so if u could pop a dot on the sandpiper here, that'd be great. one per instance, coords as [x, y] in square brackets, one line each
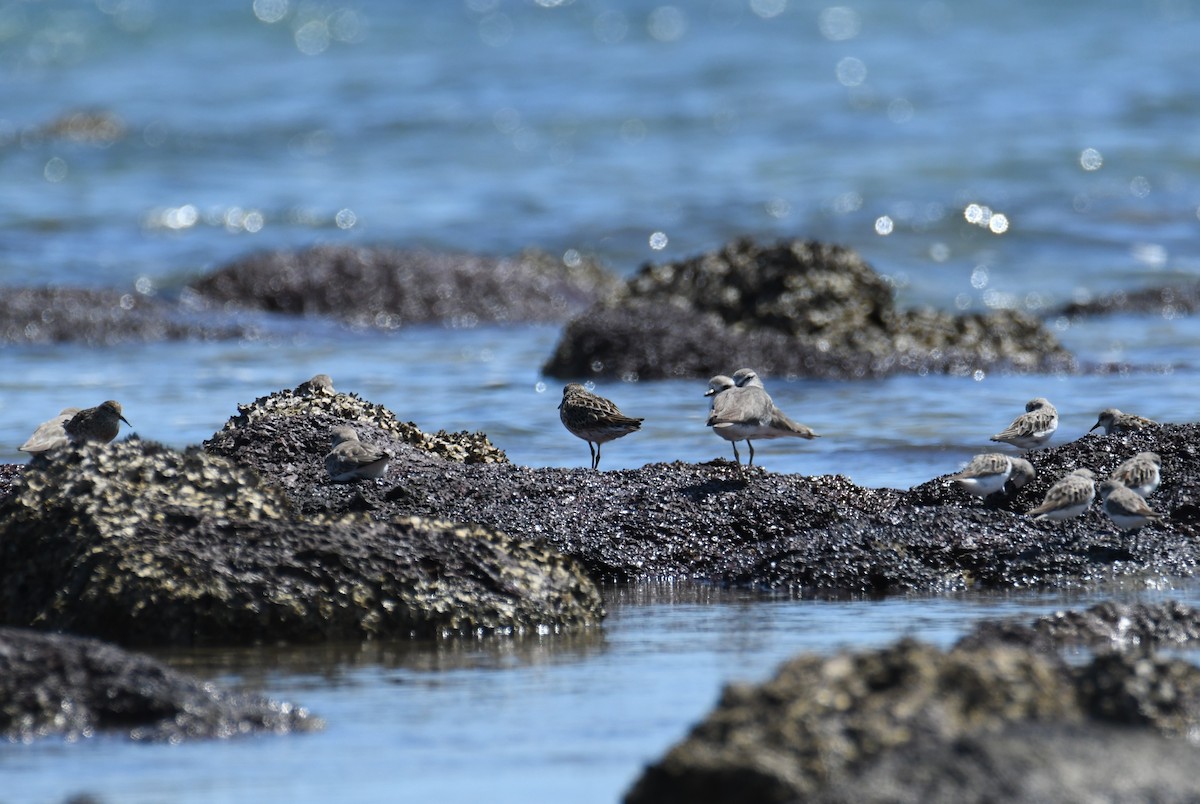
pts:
[350, 459]
[985, 474]
[1114, 421]
[1140, 474]
[593, 418]
[1022, 473]
[1069, 497]
[1032, 428]
[747, 412]
[1125, 507]
[49, 434]
[101, 423]
[319, 384]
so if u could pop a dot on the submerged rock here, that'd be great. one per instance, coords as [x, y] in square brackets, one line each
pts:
[910, 722]
[101, 317]
[389, 288]
[1168, 301]
[63, 686]
[142, 544]
[792, 308]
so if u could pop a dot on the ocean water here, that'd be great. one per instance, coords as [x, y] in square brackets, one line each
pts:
[980, 155]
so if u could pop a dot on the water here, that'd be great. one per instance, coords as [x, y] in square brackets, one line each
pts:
[979, 155]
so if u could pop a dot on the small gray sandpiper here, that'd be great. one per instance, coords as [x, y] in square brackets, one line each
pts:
[1069, 497]
[350, 459]
[1032, 428]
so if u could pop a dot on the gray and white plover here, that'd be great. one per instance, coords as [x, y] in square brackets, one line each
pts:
[349, 459]
[746, 412]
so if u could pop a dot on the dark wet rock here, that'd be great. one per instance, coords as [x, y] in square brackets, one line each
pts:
[790, 308]
[100, 317]
[815, 535]
[910, 722]
[91, 126]
[1103, 628]
[141, 544]
[1168, 301]
[71, 687]
[389, 288]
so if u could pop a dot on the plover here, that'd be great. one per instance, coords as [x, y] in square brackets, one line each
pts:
[1032, 428]
[1069, 497]
[717, 385]
[1140, 474]
[49, 434]
[350, 459]
[1125, 507]
[747, 412]
[101, 423]
[593, 418]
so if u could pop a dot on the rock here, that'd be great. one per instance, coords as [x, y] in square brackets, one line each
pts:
[910, 722]
[389, 288]
[814, 535]
[101, 317]
[1103, 628]
[792, 308]
[1168, 301]
[287, 406]
[140, 544]
[70, 687]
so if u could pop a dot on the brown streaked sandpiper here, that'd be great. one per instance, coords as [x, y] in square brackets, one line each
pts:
[101, 423]
[594, 419]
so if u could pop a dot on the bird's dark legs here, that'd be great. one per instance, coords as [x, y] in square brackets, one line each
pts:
[750, 444]
[595, 453]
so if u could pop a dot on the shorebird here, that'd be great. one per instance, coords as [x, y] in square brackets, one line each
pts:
[1032, 428]
[319, 384]
[101, 423]
[717, 385]
[1022, 473]
[985, 475]
[49, 434]
[350, 459]
[747, 412]
[1114, 421]
[1140, 474]
[1069, 497]
[593, 418]
[1125, 507]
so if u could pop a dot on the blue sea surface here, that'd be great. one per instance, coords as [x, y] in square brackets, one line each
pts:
[981, 156]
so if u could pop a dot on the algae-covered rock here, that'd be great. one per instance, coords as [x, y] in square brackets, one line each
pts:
[388, 288]
[71, 687]
[142, 544]
[790, 308]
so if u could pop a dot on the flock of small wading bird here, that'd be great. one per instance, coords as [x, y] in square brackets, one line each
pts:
[741, 410]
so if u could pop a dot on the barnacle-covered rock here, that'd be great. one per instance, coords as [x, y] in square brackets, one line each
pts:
[72, 687]
[912, 723]
[142, 544]
[796, 307]
[462, 447]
